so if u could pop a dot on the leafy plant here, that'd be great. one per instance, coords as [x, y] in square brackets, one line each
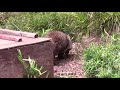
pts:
[103, 60]
[76, 24]
[44, 32]
[31, 68]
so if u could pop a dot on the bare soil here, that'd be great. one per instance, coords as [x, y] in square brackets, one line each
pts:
[71, 67]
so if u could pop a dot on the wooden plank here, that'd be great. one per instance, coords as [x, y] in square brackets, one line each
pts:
[10, 38]
[25, 41]
[18, 33]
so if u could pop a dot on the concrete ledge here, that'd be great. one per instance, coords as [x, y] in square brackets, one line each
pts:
[40, 49]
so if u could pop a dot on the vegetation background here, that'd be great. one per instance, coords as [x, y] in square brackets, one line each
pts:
[101, 60]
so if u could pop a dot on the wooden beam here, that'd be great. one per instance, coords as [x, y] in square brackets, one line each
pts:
[18, 33]
[10, 38]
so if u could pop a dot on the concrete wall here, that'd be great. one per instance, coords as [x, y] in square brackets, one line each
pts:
[42, 52]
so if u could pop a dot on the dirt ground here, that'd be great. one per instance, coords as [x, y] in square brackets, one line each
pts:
[72, 67]
[69, 68]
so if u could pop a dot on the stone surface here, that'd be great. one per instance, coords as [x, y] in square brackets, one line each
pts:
[40, 49]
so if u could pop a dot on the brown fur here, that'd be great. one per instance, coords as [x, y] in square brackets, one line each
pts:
[62, 43]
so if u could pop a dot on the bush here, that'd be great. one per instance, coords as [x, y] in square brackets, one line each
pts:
[103, 61]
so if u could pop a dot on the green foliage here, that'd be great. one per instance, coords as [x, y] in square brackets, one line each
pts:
[100, 61]
[103, 61]
[76, 24]
[31, 68]
[68, 22]
[4, 16]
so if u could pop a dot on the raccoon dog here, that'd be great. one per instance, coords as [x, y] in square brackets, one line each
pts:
[62, 43]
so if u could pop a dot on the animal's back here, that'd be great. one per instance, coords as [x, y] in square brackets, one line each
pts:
[61, 41]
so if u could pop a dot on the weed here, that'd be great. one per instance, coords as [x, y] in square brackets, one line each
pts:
[31, 68]
[103, 60]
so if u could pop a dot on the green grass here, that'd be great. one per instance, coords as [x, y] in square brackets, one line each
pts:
[75, 24]
[103, 61]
